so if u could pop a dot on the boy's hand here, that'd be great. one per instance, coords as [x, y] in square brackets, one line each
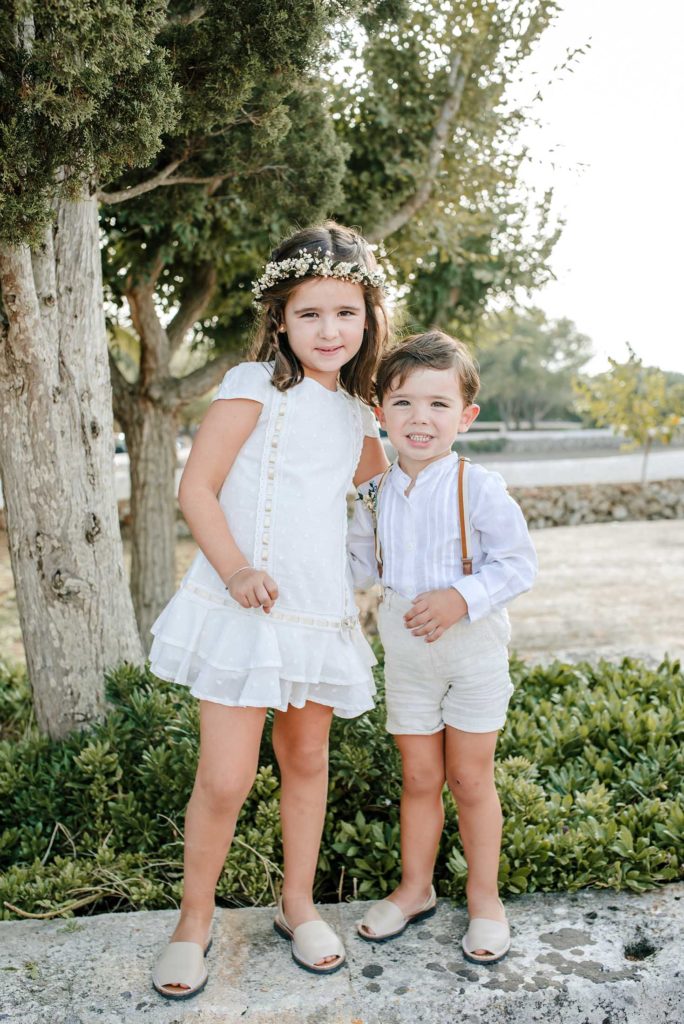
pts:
[253, 589]
[433, 612]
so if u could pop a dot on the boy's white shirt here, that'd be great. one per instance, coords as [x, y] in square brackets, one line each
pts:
[419, 537]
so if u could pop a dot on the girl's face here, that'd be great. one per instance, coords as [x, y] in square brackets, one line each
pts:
[325, 319]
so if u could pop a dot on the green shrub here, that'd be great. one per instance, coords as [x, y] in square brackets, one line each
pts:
[589, 773]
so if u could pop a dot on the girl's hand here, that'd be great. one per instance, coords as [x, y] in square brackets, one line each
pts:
[433, 612]
[253, 589]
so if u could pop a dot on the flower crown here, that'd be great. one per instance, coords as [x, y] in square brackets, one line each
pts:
[314, 264]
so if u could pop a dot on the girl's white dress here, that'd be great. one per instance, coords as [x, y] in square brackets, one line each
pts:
[285, 502]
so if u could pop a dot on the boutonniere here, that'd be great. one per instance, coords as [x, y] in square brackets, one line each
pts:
[370, 500]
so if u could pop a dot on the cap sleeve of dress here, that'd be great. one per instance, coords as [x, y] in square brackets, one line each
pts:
[369, 421]
[247, 380]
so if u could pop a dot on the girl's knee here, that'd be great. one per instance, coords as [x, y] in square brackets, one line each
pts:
[304, 761]
[225, 793]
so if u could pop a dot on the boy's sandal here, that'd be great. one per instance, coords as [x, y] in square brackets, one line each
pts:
[385, 920]
[483, 933]
[181, 964]
[311, 942]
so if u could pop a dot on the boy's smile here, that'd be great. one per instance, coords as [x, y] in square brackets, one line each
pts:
[424, 415]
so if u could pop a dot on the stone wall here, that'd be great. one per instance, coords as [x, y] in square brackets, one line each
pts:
[571, 504]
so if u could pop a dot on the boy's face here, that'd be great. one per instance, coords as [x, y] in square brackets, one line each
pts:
[424, 415]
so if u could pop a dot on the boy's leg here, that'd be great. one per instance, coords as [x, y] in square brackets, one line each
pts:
[470, 776]
[300, 742]
[229, 753]
[422, 818]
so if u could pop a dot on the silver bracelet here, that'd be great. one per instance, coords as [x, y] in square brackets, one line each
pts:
[243, 569]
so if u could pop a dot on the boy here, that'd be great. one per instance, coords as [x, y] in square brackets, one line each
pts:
[444, 628]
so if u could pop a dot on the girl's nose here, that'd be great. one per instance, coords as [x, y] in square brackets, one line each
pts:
[327, 327]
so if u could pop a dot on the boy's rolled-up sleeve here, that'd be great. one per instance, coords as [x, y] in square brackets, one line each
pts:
[509, 565]
[361, 544]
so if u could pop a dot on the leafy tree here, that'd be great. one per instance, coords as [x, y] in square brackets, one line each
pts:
[528, 364]
[88, 93]
[413, 148]
[636, 401]
[435, 152]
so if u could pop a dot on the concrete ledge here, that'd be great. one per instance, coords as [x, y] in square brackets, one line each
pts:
[595, 957]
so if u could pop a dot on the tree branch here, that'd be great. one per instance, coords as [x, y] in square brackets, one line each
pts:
[193, 305]
[122, 393]
[155, 351]
[194, 14]
[141, 187]
[450, 108]
[183, 389]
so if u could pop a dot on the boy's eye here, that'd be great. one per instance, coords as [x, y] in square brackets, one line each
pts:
[400, 401]
[442, 405]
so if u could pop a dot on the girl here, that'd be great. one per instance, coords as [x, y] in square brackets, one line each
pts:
[265, 616]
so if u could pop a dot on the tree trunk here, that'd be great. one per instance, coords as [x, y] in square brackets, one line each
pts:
[151, 439]
[56, 445]
[148, 412]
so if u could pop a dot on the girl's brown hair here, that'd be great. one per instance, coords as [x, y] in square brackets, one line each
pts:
[347, 246]
[433, 350]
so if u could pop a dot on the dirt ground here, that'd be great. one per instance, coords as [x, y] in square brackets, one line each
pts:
[603, 590]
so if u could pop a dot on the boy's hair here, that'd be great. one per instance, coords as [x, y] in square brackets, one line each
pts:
[432, 350]
[345, 245]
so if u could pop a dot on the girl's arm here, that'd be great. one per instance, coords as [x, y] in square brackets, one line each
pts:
[223, 431]
[373, 460]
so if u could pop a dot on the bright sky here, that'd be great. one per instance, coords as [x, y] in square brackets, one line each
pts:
[616, 127]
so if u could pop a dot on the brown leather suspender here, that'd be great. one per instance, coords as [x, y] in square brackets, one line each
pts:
[464, 517]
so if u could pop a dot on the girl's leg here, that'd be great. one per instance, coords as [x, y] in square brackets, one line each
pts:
[300, 742]
[422, 817]
[470, 776]
[229, 753]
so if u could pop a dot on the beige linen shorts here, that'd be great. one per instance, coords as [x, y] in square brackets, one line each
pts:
[461, 680]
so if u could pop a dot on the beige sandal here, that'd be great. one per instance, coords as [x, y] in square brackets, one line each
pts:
[181, 963]
[387, 920]
[311, 942]
[483, 933]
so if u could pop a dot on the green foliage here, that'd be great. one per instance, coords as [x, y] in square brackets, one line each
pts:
[637, 401]
[589, 773]
[478, 234]
[527, 364]
[85, 91]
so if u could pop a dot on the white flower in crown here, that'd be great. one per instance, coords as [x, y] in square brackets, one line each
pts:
[314, 264]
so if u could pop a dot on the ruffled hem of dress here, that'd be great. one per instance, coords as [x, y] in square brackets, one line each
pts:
[241, 658]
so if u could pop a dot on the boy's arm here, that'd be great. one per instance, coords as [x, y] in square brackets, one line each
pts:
[510, 559]
[361, 543]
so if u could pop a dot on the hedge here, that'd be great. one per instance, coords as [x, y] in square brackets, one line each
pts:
[589, 771]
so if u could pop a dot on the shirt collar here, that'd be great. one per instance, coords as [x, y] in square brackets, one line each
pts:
[432, 472]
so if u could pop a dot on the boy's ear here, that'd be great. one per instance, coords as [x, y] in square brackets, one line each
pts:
[468, 417]
[380, 415]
